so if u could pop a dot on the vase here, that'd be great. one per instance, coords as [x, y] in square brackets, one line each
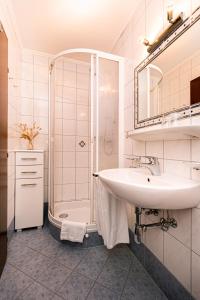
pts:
[30, 145]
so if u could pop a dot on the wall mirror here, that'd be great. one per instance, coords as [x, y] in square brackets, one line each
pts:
[168, 80]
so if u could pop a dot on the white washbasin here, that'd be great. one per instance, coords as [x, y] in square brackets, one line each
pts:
[141, 189]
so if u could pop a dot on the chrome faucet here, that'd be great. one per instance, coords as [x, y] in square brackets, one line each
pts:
[152, 164]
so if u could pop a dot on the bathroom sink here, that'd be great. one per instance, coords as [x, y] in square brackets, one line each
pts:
[143, 190]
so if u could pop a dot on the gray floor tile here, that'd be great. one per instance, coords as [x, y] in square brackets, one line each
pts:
[140, 286]
[100, 252]
[19, 254]
[7, 272]
[36, 292]
[50, 263]
[53, 276]
[13, 285]
[45, 244]
[69, 256]
[76, 287]
[35, 265]
[121, 258]
[26, 236]
[93, 263]
[113, 277]
[99, 292]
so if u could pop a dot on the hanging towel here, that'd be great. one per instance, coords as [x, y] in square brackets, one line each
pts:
[111, 217]
[72, 231]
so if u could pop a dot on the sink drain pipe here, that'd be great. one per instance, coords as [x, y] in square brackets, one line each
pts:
[164, 224]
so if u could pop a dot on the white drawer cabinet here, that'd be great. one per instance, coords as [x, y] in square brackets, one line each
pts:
[29, 189]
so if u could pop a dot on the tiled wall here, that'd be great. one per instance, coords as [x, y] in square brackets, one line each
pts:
[178, 249]
[34, 99]
[72, 125]
[14, 56]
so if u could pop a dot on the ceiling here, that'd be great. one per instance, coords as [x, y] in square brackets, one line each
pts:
[55, 25]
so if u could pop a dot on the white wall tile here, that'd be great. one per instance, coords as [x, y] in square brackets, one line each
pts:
[27, 71]
[83, 81]
[68, 192]
[175, 167]
[27, 89]
[58, 125]
[58, 162]
[196, 230]
[58, 110]
[82, 175]
[69, 111]
[82, 191]
[27, 56]
[58, 175]
[177, 260]
[40, 108]
[154, 241]
[154, 149]
[69, 159]
[182, 150]
[41, 90]
[128, 150]
[82, 96]
[59, 76]
[82, 128]
[82, 68]
[184, 230]
[69, 78]
[27, 106]
[59, 91]
[69, 143]
[58, 192]
[41, 60]
[68, 65]
[69, 94]
[58, 143]
[195, 276]
[69, 175]
[82, 160]
[82, 113]
[128, 101]
[41, 73]
[69, 127]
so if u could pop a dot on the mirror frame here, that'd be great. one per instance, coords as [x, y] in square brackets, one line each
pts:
[184, 112]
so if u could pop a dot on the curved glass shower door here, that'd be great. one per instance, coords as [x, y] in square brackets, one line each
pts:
[84, 130]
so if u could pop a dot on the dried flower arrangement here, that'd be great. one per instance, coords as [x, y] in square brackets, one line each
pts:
[29, 133]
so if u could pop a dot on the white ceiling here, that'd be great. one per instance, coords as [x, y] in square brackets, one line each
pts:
[55, 25]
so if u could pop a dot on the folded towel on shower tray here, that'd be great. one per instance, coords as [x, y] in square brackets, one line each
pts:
[72, 231]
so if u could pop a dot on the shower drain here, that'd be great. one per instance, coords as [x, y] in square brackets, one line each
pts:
[63, 216]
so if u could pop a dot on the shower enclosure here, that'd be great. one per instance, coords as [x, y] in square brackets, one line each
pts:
[85, 122]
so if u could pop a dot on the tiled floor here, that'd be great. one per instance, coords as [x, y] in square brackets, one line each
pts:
[39, 267]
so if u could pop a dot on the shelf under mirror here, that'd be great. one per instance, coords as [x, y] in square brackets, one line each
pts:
[165, 133]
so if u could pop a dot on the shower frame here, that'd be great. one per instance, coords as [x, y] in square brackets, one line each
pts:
[95, 55]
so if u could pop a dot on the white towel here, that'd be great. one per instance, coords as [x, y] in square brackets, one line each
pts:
[111, 217]
[72, 231]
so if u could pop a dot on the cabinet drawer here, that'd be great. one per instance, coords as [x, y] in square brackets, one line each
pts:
[28, 203]
[33, 171]
[29, 158]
